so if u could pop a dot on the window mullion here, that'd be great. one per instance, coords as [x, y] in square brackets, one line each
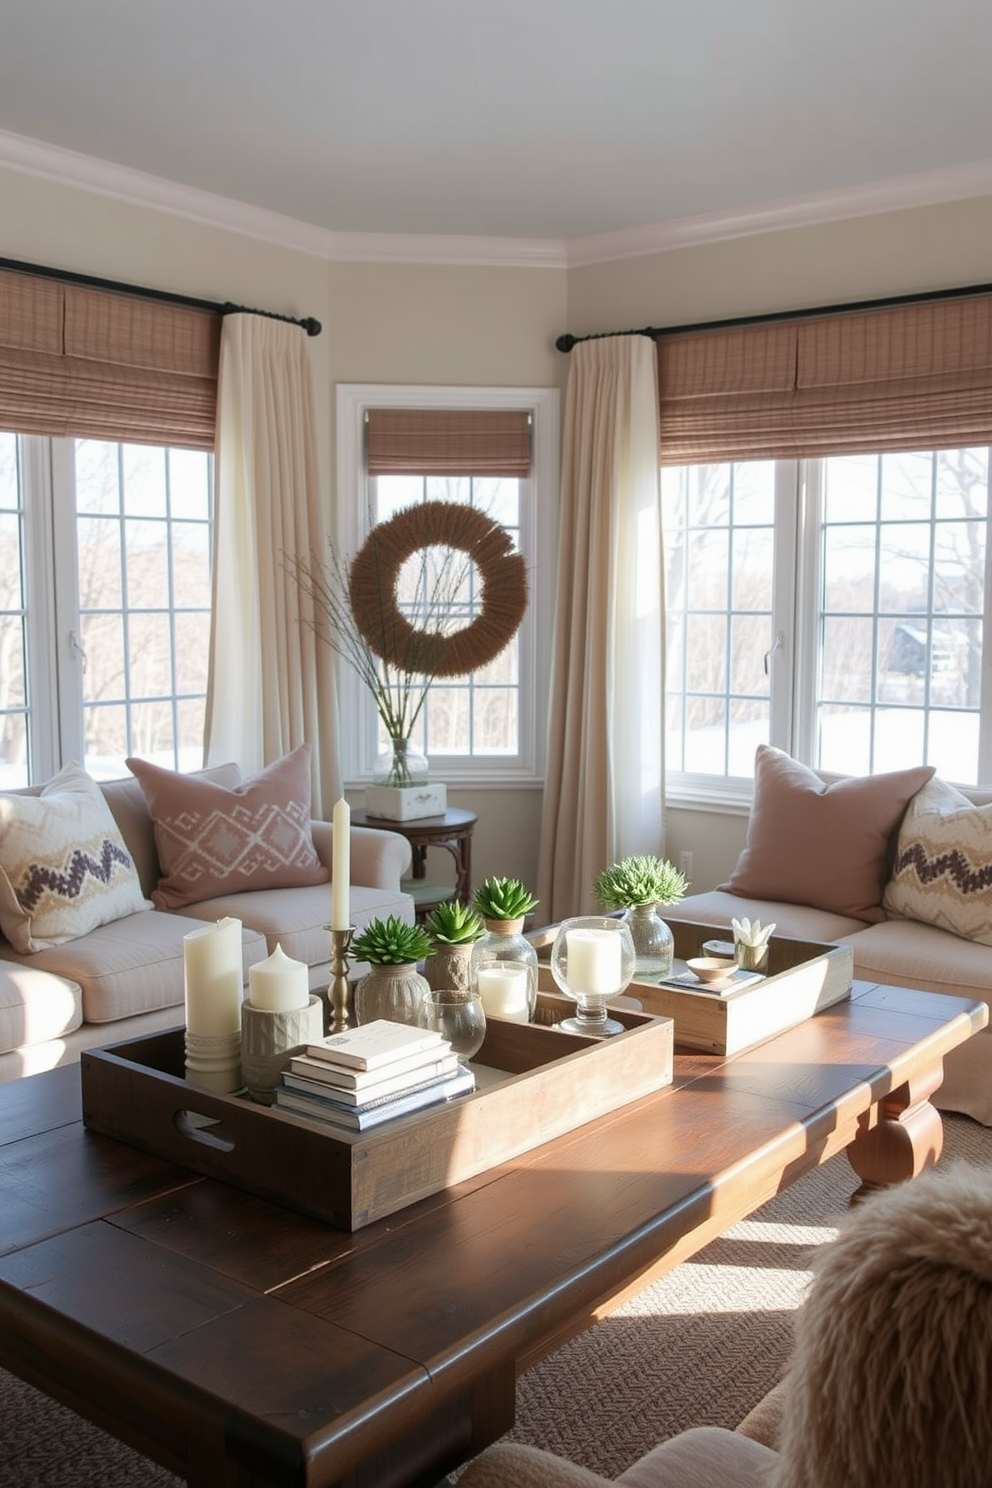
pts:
[70, 657]
[806, 549]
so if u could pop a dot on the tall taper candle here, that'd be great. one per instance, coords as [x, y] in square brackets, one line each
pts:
[341, 866]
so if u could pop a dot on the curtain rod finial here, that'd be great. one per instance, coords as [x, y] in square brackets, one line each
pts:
[565, 342]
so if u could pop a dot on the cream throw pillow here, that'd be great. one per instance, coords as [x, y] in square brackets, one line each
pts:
[942, 873]
[64, 868]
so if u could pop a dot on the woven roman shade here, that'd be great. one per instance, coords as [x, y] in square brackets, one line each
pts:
[95, 364]
[913, 376]
[447, 441]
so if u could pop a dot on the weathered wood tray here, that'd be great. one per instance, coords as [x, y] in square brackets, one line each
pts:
[539, 1083]
[803, 978]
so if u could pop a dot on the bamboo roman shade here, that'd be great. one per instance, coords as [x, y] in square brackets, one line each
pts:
[913, 376]
[95, 364]
[447, 441]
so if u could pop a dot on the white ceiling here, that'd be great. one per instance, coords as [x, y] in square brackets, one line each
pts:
[525, 119]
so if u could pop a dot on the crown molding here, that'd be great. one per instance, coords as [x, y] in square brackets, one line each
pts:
[871, 199]
[85, 173]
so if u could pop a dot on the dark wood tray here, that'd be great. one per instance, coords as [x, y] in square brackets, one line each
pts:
[549, 1083]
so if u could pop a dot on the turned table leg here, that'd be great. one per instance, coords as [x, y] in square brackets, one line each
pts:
[900, 1136]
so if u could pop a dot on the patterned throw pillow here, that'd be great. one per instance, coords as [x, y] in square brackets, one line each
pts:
[214, 839]
[64, 868]
[942, 873]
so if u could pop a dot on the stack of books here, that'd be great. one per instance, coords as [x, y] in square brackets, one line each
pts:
[367, 1075]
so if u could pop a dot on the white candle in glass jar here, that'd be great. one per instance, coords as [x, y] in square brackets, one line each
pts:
[214, 979]
[504, 991]
[279, 984]
[594, 962]
[341, 866]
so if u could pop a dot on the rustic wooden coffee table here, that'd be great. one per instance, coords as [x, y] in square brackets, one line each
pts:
[238, 1343]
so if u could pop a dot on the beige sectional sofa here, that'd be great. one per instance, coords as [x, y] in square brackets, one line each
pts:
[125, 978]
[898, 867]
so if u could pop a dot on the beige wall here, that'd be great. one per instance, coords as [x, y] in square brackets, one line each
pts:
[496, 326]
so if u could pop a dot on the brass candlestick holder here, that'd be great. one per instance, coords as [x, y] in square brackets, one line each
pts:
[339, 987]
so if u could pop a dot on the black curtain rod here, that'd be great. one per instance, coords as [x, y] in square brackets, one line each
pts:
[566, 342]
[89, 281]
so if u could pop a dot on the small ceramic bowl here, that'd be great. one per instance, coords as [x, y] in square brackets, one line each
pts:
[710, 968]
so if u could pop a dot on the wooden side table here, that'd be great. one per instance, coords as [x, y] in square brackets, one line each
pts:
[452, 832]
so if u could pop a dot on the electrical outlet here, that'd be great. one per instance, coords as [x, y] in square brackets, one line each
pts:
[685, 865]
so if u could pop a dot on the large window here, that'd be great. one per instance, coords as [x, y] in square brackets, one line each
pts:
[484, 726]
[105, 553]
[833, 607]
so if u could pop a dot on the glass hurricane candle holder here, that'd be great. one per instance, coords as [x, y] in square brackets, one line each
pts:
[592, 960]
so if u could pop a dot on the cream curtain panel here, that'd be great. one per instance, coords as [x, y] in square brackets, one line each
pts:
[604, 791]
[271, 683]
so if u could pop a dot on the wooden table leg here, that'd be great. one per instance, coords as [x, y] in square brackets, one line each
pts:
[900, 1136]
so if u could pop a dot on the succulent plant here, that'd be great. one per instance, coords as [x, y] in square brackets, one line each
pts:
[641, 879]
[454, 923]
[503, 899]
[391, 942]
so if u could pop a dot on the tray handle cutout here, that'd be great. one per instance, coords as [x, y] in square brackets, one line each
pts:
[196, 1127]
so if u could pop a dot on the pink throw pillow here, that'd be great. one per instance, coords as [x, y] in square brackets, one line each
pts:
[214, 839]
[827, 846]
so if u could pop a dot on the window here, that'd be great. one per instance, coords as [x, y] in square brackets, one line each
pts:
[833, 607]
[105, 552]
[483, 727]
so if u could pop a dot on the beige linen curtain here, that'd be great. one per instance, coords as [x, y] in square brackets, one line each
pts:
[270, 687]
[604, 795]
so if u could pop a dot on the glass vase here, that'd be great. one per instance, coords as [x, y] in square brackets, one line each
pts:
[654, 943]
[392, 992]
[400, 763]
[504, 964]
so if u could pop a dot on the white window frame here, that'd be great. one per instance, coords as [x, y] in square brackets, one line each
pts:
[538, 539]
[793, 660]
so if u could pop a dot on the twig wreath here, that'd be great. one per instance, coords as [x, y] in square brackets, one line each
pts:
[374, 576]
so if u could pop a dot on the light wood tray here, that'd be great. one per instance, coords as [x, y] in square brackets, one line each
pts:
[537, 1083]
[803, 978]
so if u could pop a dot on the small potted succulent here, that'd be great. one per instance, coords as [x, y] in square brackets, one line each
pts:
[503, 961]
[505, 901]
[393, 987]
[454, 928]
[638, 885]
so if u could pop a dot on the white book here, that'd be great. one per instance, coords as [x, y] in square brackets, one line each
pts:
[372, 1045]
[411, 1079]
[328, 1116]
[355, 1079]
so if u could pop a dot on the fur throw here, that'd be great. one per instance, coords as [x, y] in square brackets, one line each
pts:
[891, 1378]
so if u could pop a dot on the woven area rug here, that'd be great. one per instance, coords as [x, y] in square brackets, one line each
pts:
[699, 1347]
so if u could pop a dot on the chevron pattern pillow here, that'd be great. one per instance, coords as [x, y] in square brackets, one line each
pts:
[214, 839]
[64, 868]
[942, 873]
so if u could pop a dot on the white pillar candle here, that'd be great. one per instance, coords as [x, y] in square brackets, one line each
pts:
[214, 973]
[341, 866]
[503, 990]
[279, 984]
[594, 962]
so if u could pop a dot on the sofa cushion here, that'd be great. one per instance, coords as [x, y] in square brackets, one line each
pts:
[131, 966]
[825, 845]
[942, 873]
[905, 953]
[298, 919]
[795, 921]
[36, 1006]
[213, 840]
[64, 868]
